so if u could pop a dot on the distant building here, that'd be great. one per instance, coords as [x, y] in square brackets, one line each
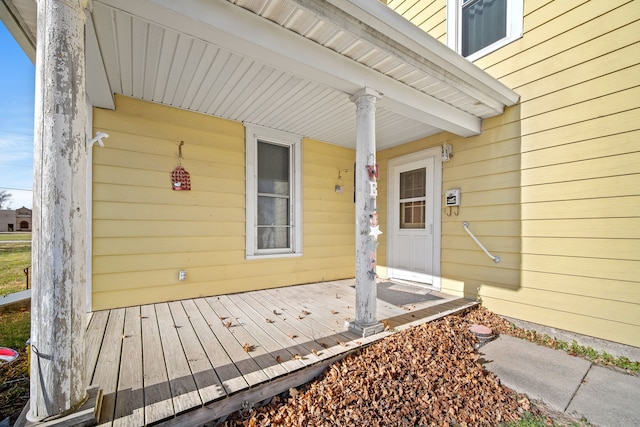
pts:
[15, 220]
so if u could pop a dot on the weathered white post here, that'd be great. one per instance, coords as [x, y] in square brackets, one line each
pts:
[58, 314]
[367, 229]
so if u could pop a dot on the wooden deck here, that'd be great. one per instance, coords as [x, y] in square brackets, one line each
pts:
[185, 362]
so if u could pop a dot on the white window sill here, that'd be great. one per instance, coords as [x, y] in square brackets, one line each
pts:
[268, 256]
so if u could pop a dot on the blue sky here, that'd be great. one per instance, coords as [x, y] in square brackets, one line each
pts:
[17, 79]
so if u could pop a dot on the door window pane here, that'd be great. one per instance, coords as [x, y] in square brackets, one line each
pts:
[412, 184]
[412, 214]
[413, 198]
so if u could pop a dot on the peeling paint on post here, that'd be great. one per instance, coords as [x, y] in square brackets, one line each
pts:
[366, 231]
[59, 206]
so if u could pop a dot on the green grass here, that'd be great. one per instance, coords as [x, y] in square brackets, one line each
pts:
[575, 349]
[4, 237]
[14, 325]
[14, 376]
[14, 329]
[528, 420]
[14, 258]
[531, 420]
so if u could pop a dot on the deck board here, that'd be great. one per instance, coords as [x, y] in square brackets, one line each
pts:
[269, 334]
[285, 325]
[296, 340]
[157, 392]
[177, 364]
[207, 382]
[184, 390]
[241, 330]
[108, 365]
[320, 329]
[129, 405]
[228, 373]
[328, 312]
[248, 367]
[95, 338]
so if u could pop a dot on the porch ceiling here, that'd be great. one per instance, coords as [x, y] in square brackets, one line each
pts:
[284, 64]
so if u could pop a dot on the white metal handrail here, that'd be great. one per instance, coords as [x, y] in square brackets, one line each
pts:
[495, 258]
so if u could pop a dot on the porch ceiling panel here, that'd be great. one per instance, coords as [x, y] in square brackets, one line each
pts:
[159, 64]
[313, 25]
[290, 65]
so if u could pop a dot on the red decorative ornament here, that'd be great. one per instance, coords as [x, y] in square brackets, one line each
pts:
[180, 179]
[7, 355]
[373, 172]
[373, 219]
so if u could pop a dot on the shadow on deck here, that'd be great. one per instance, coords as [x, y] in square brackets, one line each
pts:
[186, 363]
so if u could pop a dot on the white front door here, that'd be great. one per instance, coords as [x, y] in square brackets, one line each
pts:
[414, 217]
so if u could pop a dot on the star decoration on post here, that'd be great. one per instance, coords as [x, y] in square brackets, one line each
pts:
[375, 232]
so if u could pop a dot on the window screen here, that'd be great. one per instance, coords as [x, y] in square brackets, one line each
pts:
[274, 190]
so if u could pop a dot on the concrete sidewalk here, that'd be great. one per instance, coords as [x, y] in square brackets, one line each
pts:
[604, 396]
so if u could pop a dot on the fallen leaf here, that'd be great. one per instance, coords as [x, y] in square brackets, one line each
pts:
[268, 320]
[423, 375]
[248, 347]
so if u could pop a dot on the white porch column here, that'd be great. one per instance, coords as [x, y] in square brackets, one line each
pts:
[367, 229]
[58, 314]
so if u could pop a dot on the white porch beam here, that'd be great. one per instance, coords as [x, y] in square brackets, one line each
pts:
[16, 26]
[367, 228]
[239, 30]
[383, 28]
[98, 88]
[58, 316]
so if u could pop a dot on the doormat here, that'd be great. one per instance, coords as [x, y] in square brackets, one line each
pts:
[399, 294]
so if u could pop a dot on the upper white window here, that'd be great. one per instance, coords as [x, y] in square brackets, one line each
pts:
[274, 190]
[478, 27]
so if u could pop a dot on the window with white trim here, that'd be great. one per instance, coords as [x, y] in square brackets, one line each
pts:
[273, 193]
[478, 27]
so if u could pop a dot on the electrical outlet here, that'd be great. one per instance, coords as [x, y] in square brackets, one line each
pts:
[182, 275]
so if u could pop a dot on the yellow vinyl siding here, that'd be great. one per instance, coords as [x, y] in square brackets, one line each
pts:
[430, 16]
[144, 232]
[559, 317]
[553, 185]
